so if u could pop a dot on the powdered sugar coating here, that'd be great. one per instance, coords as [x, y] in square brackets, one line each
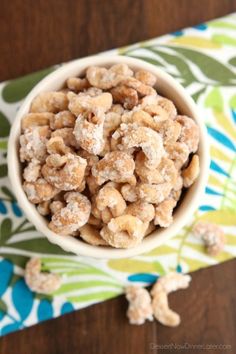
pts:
[110, 197]
[89, 135]
[44, 283]
[140, 308]
[32, 171]
[70, 218]
[146, 138]
[189, 132]
[36, 119]
[166, 284]
[212, 236]
[33, 143]
[116, 166]
[39, 191]
[67, 177]
[191, 172]
[107, 78]
[143, 210]
[163, 213]
[49, 102]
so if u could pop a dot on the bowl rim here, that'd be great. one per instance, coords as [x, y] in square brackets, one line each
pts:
[69, 243]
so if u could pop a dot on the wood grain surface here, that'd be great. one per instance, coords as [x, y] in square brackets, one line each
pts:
[37, 34]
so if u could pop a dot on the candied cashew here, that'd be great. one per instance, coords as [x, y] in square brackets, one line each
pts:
[164, 172]
[146, 174]
[56, 145]
[90, 158]
[143, 210]
[145, 77]
[212, 236]
[166, 284]
[67, 176]
[84, 103]
[73, 216]
[92, 236]
[178, 153]
[39, 191]
[89, 134]
[130, 193]
[153, 193]
[92, 184]
[145, 138]
[111, 198]
[125, 231]
[116, 166]
[127, 96]
[49, 102]
[94, 221]
[170, 131]
[64, 119]
[171, 282]
[191, 173]
[120, 239]
[138, 86]
[44, 283]
[77, 84]
[111, 123]
[141, 118]
[67, 135]
[177, 189]
[129, 223]
[104, 215]
[140, 307]
[168, 106]
[33, 143]
[117, 108]
[32, 171]
[189, 132]
[107, 78]
[36, 119]
[148, 100]
[44, 208]
[56, 205]
[163, 213]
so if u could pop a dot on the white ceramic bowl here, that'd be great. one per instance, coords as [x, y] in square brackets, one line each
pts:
[168, 87]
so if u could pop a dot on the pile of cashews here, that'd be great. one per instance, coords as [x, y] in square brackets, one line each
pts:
[106, 158]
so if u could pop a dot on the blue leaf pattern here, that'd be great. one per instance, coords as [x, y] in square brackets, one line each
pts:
[6, 270]
[66, 308]
[3, 209]
[206, 208]
[22, 299]
[222, 138]
[179, 268]
[212, 192]
[11, 328]
[201, 27]
[215, 167]
[16, 209]
[143, 277]
[45, 310]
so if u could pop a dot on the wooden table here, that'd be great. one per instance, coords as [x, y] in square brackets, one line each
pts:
[37, 34]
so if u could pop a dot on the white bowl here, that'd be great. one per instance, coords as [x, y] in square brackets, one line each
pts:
[168, 87]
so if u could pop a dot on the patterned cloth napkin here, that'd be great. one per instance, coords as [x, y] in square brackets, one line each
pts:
[203, 60]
